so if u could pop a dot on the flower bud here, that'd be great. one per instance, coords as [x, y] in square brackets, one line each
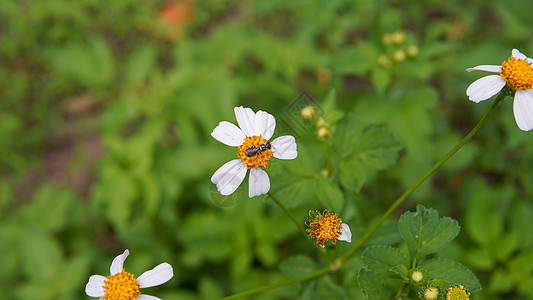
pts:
[417, 276]
[307, 112]
[412, 51]
[384, 61]
[398, 37]
[323, 132]
[399, 55]
[431, 293]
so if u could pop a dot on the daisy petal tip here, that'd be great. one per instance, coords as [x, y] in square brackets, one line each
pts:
[346, 234]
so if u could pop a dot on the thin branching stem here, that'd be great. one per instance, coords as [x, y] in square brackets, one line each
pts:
[338, 263]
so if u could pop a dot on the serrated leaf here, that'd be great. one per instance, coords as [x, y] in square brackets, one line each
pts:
[377, 148]
[298, 266]
[401, 270]
[382, 259]
[372, 285]
[352, 175]
[329, 194]
[424, 233]
[446, 272]
[347, 136]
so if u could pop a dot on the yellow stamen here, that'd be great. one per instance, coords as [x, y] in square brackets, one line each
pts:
[325, 227]
[260, 159]
[518, 73]
[457, 293]
[121, 286]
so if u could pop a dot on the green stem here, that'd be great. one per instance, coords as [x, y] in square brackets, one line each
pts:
[299, 225]
[423, 178]
[338, 263]
[288, 213]
[280, 284]
[327, 156]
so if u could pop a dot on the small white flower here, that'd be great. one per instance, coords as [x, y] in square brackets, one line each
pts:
[121, 285]
[325, 226]
[516, 72]
[255, 151]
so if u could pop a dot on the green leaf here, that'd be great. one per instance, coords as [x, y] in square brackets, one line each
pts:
[372, 285]
[424, 233]
[363, 151]
[382, 259]
[446, 272]
[139, 63]
[298, 266]
[329, 194]
[352, 175]
[484, 222]
[377, 148]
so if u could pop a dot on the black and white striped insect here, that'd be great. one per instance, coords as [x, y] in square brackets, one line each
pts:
[255, 150]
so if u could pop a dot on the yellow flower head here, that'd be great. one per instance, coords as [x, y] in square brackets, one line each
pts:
[327, 227]
[457, 292]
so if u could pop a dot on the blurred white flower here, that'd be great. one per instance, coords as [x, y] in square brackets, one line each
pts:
[121, 285]
[516, 72]
[255, 151]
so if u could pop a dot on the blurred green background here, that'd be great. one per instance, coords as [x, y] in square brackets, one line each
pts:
[106, 111]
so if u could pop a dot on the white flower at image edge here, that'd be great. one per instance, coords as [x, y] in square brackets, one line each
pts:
[515, 72]
[121, 285]
[255, 130]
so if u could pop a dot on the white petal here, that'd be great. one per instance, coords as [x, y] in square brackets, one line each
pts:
[488, 68]
[156, 276]
[95, 286]
[259, 183]
[229, 176]
[228, 134]
[517, 54]
[118, 263]
[246, 119]
[265, 124]
[346, 234]
[523, 109]
[146, 297]
[284, 147]
[485, 87]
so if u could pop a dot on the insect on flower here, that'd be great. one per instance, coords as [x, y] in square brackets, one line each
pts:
[255, 150]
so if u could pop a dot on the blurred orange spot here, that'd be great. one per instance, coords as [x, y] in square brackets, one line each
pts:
[177, 12]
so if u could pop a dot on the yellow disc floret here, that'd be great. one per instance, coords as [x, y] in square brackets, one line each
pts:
[324, 226]
[259, 159]
[121, 286]
[518, 73]
[457, 293]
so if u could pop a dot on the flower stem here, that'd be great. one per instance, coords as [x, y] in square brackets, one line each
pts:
[280, 284]
[338, 263]
[299, 225]
[423, 178]
[327, 156]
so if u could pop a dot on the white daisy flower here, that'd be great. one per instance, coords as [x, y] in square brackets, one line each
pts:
[255, 151]
[121, 285]
[516, 72]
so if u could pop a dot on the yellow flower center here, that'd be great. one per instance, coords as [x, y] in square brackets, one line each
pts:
[325, 228]
[121, 286]
[255, 152]
[457, 293]
[518, 73]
